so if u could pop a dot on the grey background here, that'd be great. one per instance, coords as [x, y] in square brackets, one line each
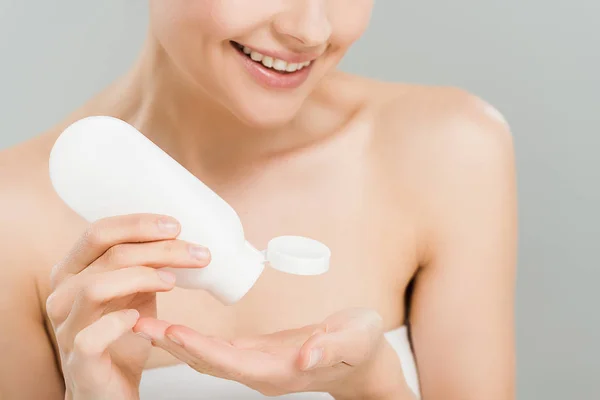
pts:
[537, 61]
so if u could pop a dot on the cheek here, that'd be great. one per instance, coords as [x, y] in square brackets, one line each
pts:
[231, 18]
[191, 32]
[349, 23]
[186, 20]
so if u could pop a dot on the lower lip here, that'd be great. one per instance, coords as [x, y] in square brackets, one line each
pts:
[272, 79]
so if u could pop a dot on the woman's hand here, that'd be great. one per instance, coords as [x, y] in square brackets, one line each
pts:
[345, 355]
[101, 288]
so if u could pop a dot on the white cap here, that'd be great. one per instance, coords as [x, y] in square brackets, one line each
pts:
[298, 255]
[236, 275]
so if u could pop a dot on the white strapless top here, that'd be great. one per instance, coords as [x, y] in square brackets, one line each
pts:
[181, 382]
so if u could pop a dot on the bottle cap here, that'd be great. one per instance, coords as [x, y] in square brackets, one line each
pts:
[235, 276]
[298, 255]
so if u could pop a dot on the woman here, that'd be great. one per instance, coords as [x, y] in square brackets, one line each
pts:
[411, 187]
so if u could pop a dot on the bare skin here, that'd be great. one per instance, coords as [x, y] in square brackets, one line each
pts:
[404, 183]
[417, 183]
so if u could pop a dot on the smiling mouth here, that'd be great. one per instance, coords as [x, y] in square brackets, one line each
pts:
[274, 64]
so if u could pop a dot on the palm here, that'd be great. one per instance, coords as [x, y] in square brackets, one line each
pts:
[280, 363]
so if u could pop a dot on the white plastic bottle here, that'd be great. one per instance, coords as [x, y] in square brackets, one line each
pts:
[102, 166]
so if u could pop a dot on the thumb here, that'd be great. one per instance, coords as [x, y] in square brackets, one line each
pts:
[350, 347]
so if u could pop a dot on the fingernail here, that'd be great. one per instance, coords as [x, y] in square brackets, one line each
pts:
[168, 225]
[174, 339]
[144, 336]
[315, 357]
[133, 314]
[166, 276]
[199, 252]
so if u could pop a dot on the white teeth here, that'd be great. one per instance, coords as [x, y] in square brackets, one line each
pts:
[275, 63]
[256, 56]
[267, 61]
[303, 65]
[280, 65]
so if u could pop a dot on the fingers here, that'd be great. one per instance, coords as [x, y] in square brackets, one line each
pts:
[216, 356]
[290, 337]
[89, 346]
[271, 374]
[207, 355]
[324, 350]
[351, 343]
[158, 254]
[82, 300]
[107, 232]
[155, 328]
[151, 327]
[171, 253]
[274, 365]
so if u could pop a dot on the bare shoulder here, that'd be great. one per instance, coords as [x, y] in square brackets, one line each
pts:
[30, 235]
[429, 117]
[437, 113]
[447, 150]
[30, 212]
[440, 131]
[23, 171]
[20, 180]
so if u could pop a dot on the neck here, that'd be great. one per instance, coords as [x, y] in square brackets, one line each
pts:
[201, 134]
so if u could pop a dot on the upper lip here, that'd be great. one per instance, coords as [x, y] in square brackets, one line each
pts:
[287, 56]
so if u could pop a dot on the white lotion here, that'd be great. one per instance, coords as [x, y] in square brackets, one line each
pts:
[102, 166]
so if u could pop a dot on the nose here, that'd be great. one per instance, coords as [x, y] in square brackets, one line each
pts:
[305, 22]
